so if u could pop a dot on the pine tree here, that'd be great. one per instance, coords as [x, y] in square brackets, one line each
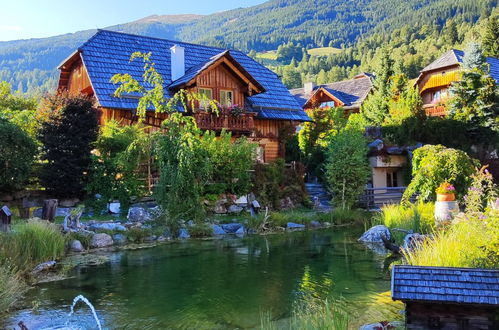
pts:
[490, 39]
[475, 96]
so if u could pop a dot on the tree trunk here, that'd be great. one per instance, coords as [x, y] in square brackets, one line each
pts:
[49, 209]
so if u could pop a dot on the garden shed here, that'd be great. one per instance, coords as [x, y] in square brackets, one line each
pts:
[447, 298]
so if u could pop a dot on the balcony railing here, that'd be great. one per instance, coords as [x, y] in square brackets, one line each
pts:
[433, 110]
[236, 123]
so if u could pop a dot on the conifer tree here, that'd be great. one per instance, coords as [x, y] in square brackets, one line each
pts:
[490, 39]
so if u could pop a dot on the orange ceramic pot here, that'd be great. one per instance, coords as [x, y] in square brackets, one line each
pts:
[446, 197]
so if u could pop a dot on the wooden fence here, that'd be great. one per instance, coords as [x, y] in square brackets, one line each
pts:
[376, 197]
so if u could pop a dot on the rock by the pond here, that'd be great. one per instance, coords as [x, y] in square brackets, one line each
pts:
[60, 212]
[68, 202]
[412, 240]
[252, 231]
[240, 231]
[183, 233]
[255, 204]
[217, 230]
[292, 225]
[114, 207]
[111, 226]
[242, 201]
[119, 239]
[101, 240]
[76, 246]
[374, 234]
[162, 238]
[220, 209]
[231, 228]
[141, 213]
[315, 224]
[43, 267]
[234, 209]
[150, 239]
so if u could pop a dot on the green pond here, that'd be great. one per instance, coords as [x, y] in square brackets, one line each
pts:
[217, 284]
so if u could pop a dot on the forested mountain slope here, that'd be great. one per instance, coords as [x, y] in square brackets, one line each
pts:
[29, 64]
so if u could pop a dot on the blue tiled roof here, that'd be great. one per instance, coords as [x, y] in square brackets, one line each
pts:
[283, 115]
[445, 285]
[107, 53]
[492, 61]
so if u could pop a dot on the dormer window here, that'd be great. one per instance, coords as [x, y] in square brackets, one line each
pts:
[328, 104]
[226, 97]
[206, 94]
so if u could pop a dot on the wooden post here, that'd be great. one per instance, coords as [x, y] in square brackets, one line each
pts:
[5, 218]
[49, 209]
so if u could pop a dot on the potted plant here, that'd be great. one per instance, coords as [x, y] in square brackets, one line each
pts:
[446, 192]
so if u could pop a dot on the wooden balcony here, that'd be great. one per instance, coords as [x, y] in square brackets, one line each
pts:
[243, 123]
[433, 110]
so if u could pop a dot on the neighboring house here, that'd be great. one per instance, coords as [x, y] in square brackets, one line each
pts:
[348, 94]
[447, 298]
[435, 79]
[227, 76]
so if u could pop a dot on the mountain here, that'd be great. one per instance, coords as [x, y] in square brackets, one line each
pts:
[30, 65]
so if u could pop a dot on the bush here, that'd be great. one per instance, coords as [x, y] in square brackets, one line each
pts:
[200, 230]
[31, 243]
[347, 169]
[67, 133]
[435, 164]
[137, 235]
[114, 169]
[16, 157]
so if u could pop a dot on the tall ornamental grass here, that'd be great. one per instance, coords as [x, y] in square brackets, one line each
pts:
[418, 217]
[12, 287]
[31, 243]
[470, 242]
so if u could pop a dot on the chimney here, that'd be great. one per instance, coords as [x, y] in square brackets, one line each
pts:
[308, 87]
[177, 62]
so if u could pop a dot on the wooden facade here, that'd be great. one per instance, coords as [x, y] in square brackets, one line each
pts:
[223, 76]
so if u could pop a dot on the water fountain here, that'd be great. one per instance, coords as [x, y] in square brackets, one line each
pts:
[89, 304]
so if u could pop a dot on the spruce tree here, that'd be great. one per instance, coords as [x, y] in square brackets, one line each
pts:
[490, 39]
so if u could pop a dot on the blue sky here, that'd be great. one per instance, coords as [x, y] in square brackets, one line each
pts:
[23, 19]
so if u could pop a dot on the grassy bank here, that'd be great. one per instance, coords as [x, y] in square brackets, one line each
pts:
[26, 245]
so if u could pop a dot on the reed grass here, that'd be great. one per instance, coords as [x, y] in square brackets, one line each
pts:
[418, 217]
[12, 287]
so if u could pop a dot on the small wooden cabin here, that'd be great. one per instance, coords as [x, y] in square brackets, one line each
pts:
[230, 77]
[348, 94]
[436, 78]
[448, 298]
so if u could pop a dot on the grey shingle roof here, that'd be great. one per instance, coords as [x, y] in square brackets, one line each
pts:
[351, 92]
[454, 56]
[107, 53]
[445, 285]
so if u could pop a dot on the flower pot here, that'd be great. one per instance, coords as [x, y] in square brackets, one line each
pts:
[445, 211]
[446, 197]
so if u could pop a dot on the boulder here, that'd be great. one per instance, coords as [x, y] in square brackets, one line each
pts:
[242, 201]
[231, 228]
[101, 240]
[315, 224]
[150, 239]
[240, 231]
[60, 212]
[412, 240]
[114, 207]
[44, 266]
[119, 239]
[162, 238]
[183, 233]
[292, 225]
[217, 230]
[141, 213]
[76, 246]
[255, 204]
[374, 234]
[234, 209]
[220, 209]
[111, 226]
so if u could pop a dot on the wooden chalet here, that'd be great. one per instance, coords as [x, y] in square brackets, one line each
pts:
[230, 77]
[447, 298]
[348, 94]
[435, 79]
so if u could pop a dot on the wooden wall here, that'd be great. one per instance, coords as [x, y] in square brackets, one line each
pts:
[220, 78]
[450, 316]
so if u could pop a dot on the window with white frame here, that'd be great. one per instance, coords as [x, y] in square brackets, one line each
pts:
[206, 95]
[226, 98]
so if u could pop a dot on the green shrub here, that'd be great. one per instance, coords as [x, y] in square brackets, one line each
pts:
[347, 169]
[67, 134]
[31, 243]
[279, 219]
[137, 235]
[114, 169]
[434, 164]
[200, 230]
[12, 287]
[16, 157]
[83, 238]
